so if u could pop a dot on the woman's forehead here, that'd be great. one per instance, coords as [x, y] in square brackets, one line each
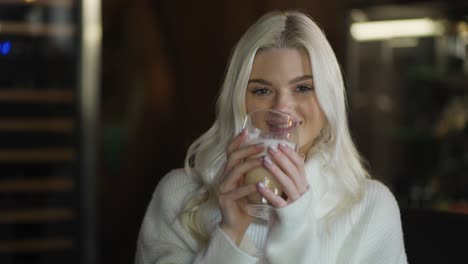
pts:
[285, 61]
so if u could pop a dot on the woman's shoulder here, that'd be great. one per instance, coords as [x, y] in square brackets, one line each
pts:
[174, 188]
[379, 196]
[176, 179]
[376, 188]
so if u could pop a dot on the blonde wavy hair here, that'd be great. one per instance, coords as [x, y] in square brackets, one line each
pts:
[206, 156]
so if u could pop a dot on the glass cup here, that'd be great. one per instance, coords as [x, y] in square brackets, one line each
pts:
[271, 128]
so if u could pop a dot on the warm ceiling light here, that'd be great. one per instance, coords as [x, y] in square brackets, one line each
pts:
[378, 30]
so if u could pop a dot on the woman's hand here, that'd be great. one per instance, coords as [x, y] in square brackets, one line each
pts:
[288, 169]
[232, 194]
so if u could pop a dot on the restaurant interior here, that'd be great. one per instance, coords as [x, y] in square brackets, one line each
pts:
[99, 99]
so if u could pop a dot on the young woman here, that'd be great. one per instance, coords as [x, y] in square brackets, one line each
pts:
[330, 211]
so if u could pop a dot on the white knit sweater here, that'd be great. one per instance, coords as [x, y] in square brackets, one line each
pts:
[370, 232]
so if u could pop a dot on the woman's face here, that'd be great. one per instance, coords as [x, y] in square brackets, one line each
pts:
[281, 79]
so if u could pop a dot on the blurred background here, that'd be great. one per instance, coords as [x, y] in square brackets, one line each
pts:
[99, 99]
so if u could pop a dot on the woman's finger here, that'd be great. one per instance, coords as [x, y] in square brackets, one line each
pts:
[234, 175]
[283, 162]
[237, 141]
[243, 153]
[293, 156]
[289, 187]
[290, 163]
[275, 200]
[237, 193]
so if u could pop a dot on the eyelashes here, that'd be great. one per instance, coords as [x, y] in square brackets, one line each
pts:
[304, 88]
[261, 91]
[299, 89]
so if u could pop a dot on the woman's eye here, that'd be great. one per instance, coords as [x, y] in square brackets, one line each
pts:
[261, 91]
[304, 88]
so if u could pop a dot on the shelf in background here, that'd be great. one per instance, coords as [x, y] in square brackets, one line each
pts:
[45, 125]
[36, 29]
[36, 244]
[36, 215]
[51, 3]
[39, 96]
[55, 184]
[37, 155]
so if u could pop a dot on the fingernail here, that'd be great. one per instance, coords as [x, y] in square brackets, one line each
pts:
[274, 149]
[267, 160]
[261, 185]
[283, 145]
[261, 144]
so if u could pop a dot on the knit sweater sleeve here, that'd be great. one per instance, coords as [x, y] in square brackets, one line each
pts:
[162, 238]
[290, 228]
[369, 233]
[381, 236]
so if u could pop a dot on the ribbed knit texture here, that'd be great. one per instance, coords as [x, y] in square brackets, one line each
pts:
[369, 232]
[257, 233]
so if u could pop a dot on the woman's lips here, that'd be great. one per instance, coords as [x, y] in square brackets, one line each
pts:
[281, 126]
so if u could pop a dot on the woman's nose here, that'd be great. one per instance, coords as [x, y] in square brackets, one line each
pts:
[283, 103]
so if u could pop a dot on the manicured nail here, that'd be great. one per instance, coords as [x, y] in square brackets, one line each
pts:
[267, 160]
[274, 149]
[283, 145]
[261, 185]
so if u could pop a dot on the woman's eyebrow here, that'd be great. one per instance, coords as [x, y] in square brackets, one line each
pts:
[260, 81]
[301, 78]
[295, 80]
